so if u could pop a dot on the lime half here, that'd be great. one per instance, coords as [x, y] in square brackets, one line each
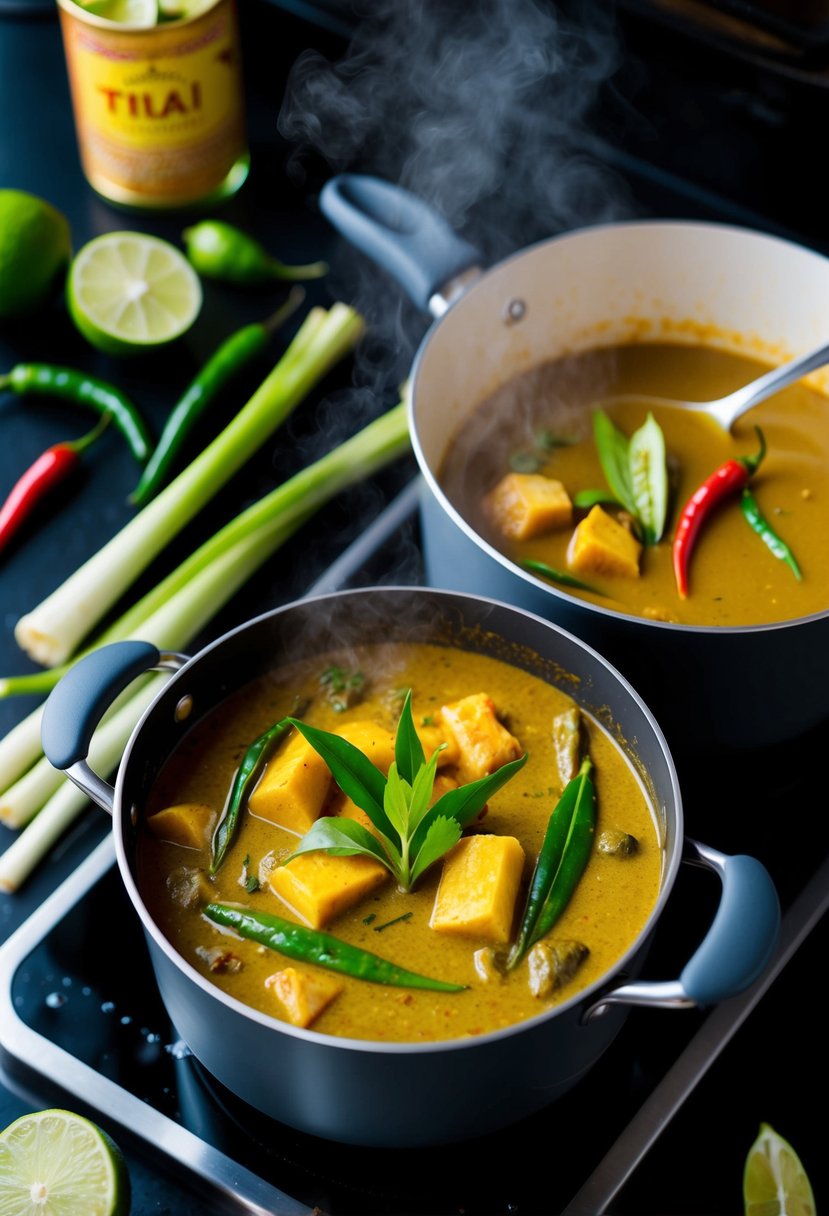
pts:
[56, 1163]
[774, 1180]
[127, 292]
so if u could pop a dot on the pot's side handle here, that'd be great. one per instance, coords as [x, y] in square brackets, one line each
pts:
[79, 700]
[400, 232]
[734, 951]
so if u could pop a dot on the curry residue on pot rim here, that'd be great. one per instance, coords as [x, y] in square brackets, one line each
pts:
[460, 919]
[523, 465]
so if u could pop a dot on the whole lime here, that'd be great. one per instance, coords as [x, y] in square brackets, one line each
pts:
[35, 247]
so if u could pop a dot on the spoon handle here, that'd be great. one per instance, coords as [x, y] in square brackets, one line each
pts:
[730, 408]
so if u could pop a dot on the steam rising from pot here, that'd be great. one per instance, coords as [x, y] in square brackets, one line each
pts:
[479, 109]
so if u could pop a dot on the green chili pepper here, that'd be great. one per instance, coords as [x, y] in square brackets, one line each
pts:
[556, 576]
[78, 388]
[243, 781]
[238, 350]
[755, 518]
[221, 251]
[313, 946]
[561, 861]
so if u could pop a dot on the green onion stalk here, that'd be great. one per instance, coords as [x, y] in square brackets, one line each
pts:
[51, 632]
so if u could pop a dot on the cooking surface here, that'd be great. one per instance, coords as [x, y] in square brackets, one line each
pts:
[706, 137]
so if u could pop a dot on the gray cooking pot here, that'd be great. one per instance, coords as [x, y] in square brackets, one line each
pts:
[713, 689]
[396, 1094]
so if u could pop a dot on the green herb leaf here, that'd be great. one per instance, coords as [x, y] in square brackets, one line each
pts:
[548, 440]
[649, 478]
[466, 803]
[441, 835]
[612, 447]
[408, 750]
[341, 837]
[526, 462]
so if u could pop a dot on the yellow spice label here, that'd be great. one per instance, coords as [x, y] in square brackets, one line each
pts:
[158, 111]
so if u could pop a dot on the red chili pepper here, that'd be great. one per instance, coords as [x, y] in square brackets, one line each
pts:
[50, 469]
[725, 481]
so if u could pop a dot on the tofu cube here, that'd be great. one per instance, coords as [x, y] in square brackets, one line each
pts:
[523, 505]
[188, 824]
[484, 743]
[601, 545]
[372, 739]
[318, 886]
[293, 787]
[432, 736]
[478, 888]
[302, 998]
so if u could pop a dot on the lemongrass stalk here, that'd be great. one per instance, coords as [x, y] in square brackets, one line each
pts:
[34, 842]
[52, 631]
[22, 801]
[259, 531]
[20, 748]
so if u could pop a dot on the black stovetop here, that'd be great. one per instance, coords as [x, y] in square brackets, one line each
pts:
[693, 131]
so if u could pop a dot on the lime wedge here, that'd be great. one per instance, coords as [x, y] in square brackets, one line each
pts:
[774, 1180]
[56, 1163]
[124, 12]
[127, 292]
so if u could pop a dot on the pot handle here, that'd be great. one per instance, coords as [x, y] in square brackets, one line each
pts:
[79, 700]
[735, 950]
[401, 233]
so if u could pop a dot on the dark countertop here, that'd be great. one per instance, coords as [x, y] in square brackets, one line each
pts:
[773, 1065]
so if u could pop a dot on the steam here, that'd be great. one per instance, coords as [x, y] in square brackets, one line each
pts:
[480, 109]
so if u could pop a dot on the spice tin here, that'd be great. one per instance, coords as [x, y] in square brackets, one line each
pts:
[159, 110]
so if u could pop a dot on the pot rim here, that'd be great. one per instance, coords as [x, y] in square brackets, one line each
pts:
[435, 489]
[672, 856]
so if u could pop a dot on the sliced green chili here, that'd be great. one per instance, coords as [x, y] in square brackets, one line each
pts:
[756, 520]
[236, 352]
[313, 946]
[556, 576]
[243, 781]
[561, 861]
[636, 470]
[78, 388]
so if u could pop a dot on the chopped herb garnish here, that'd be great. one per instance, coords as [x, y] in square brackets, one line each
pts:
[427, 720]
[368, 919]
[526, 462]
[344, 688]
[548, 440]
[397, 919]
[251, 884]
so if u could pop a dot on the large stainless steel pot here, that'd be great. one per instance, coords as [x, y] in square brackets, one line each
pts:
[396, 1094]
[713, 689]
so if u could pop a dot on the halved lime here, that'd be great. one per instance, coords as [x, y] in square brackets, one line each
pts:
[56, 1163]
[774, 1180]
[137, 13]
[128, 291]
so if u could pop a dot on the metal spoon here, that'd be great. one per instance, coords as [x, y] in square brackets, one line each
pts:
[726, 410]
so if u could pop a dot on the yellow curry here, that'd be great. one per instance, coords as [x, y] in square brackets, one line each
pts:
[475, 714]
[522, 467]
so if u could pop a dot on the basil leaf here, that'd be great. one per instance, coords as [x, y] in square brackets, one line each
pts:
[443, 833]
[612, 447]
[342, 837]
[649, 478]
[396, 802]
[408, 750]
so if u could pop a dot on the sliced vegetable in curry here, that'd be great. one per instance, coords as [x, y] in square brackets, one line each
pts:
[376, 878]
